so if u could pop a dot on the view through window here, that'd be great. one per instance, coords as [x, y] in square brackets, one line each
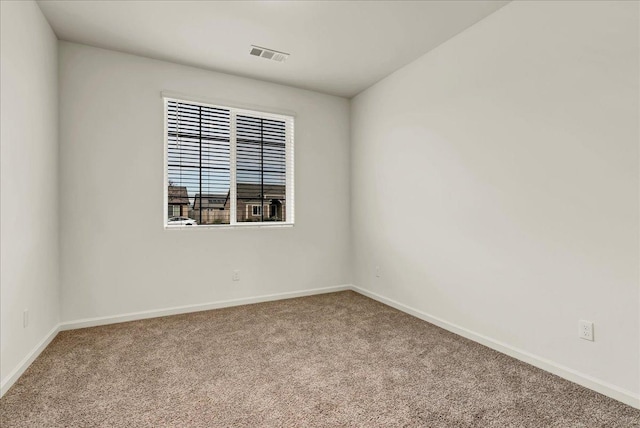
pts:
[227, 166]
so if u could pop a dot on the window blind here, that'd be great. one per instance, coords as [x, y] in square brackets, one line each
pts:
[227, 165]
[198, 161]
[261, 167]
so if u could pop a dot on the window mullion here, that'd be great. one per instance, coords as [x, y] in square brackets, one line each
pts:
[233, 203]
[262, 170]
[289, 174]
[200, 163]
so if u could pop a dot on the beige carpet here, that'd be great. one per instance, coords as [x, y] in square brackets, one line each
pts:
[332, 360]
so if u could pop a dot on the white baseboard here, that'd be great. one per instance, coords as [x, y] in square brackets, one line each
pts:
[133, 316]
[93, 322]
[587, 381]
[27, 360]
[572, 375]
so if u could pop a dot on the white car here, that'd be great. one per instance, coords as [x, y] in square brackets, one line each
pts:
[181, 221]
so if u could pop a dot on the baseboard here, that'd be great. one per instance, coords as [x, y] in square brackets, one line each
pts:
[582, 379]
[27, 360]
[567, 373]
[134, 316]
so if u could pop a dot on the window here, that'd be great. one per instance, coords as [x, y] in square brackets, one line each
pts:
[224, 164]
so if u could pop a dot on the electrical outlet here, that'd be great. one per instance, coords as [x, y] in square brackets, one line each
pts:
[25, 318]
[585, 330]
[236, 275]
[378, 271]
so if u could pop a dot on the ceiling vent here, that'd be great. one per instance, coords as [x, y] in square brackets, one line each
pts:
[268, 53]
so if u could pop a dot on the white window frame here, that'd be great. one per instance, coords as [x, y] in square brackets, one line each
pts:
[253, 210]
[254, 111]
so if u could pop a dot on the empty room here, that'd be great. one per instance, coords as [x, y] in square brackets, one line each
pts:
[320, 213]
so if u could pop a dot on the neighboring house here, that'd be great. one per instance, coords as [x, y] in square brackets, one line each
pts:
[178, 202]
[252, 203]
[256, 199]
[210, 209]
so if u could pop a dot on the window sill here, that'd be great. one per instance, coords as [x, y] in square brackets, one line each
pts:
[248, 225]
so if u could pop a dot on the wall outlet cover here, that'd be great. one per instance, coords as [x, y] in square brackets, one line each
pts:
[585, 330]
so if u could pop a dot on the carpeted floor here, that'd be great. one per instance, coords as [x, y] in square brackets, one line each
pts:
[337, 359]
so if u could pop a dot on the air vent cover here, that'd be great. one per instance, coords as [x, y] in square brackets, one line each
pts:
[268, 53]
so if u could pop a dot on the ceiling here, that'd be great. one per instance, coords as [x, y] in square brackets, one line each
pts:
[336, 47]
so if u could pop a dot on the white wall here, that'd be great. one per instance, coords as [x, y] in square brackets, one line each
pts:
[495, 183]
[29, 182]
[116, 256]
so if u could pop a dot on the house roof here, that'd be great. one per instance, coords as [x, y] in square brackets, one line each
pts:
[254, 191]
[209, 200]
[246, 192]
[178, 195]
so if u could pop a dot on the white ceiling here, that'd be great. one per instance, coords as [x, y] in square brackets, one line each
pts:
[337, 47]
